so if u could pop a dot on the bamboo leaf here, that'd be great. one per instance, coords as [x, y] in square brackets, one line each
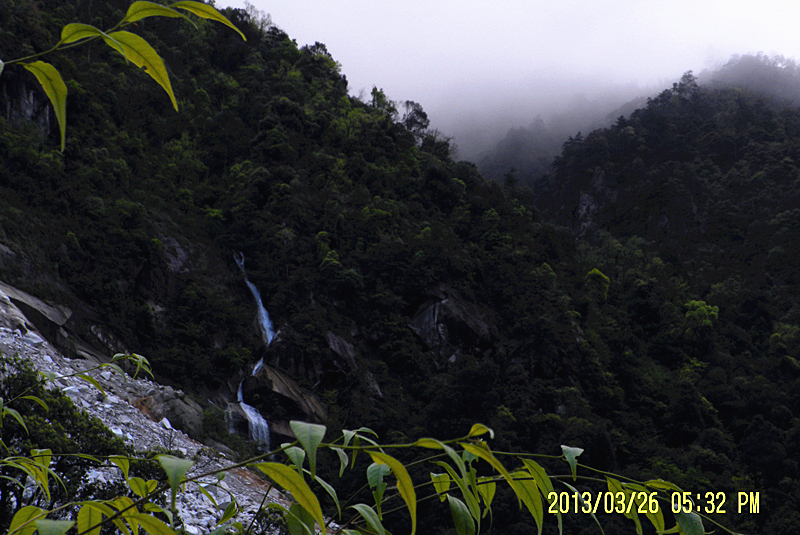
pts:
[331, 492]
[690, 523]
[293, 482]
[141, 54]
[296, 455]
[404, 484]
[24, 522]
[299, 521]
[207, 12]
[53, 527]
[544, 484]
[370, 516]
[471, 499]
[584, 505]
[42, 457]
[175, 469]
[462, 519]
[487, 489]
[571, 455]
[142, 488]
[310, 437]
[92, 381]
[480, 429]
[230, 511]
[38, 400]
[614, 486]
[152, 525]
[122, 463]
[76, 31]
[481, 449]
[441, 483]
[88, 517]
[343, 459]
[55, 89]
[657, 518]
[528, 491]
[141, 10]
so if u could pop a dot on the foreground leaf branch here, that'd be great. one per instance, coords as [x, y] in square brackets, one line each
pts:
[389, 489]
[133, 48]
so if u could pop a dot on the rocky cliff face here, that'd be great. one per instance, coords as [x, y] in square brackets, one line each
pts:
[144, 414]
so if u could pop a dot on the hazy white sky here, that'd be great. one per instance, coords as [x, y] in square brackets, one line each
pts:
[455, 57]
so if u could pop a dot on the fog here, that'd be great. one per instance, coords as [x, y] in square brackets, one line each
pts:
[480, 67]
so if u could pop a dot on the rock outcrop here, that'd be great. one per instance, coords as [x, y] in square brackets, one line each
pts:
[142, 413]
[450, 326]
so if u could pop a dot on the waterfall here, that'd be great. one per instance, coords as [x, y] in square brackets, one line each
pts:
[259, 428]
[264, 323]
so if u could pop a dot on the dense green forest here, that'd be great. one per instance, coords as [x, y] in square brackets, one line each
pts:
[639, 301]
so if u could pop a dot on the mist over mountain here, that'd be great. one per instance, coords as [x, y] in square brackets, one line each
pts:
[640, 301]
[526, 152]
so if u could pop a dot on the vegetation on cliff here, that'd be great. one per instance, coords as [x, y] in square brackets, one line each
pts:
[663, 340]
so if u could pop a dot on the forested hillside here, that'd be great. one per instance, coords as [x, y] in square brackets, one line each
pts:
[639, 302]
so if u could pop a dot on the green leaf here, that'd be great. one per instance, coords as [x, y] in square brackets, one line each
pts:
[343, 459]
[441, 483]
[331, 492]
[614, 486]
[480, 429]
[230, 511]
[23, 522]
[544, 484]
[657, 518]
[487, 489]
[310, 437]
[142, 488]
[690, 523]
[53, 527]
[207, 12]
[662, 485]
[293, 482]
[35, 399]
[2, 65]
[584, 505]
[76, 31]
[528, 491]
[202, 488]
[571, 455]
[122, 463]
[461, 516]
[481, 449]
[299, 521]
[297, 456]
[141, 54]
[471, 499]
[175, 469]
[55, 89]
[89, 516]
[152, 525]
[375, 473]
[370, 516]
[42, 457]
[92, 381]
[141, 10]
[404, 484]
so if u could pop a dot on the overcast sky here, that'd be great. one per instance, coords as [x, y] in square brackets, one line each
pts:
[471, 59]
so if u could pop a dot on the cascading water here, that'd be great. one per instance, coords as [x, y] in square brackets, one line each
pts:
[259, 428]
[264, 323]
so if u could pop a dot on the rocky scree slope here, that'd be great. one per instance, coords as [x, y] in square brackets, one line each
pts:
[133, 409]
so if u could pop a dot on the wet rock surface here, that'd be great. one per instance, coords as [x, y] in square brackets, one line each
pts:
[142, 413]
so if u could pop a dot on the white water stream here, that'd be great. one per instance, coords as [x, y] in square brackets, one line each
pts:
[259, 428]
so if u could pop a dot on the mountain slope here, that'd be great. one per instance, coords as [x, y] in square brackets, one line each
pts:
[410, 294]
